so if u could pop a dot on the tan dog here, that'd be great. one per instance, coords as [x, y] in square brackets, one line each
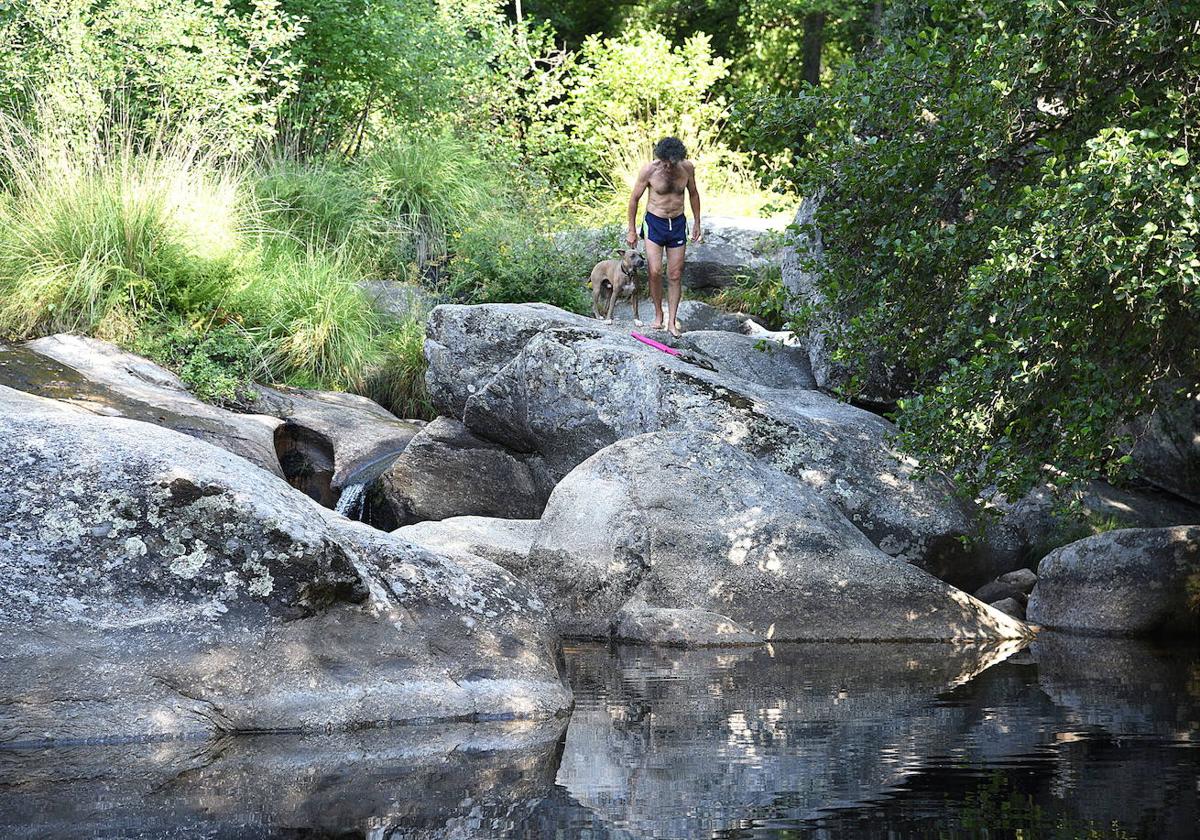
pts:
[618, 279]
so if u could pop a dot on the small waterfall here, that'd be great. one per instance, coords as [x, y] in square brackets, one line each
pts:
[350, 503]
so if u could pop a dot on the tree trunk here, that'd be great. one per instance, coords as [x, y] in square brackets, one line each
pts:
[814, 40]
[877, 20]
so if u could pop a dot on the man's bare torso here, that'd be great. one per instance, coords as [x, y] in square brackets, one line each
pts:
[667, 184]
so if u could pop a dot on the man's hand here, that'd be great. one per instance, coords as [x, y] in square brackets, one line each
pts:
[696, 233]
[631, 238]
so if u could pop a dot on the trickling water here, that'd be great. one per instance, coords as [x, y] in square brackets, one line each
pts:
[350, 503]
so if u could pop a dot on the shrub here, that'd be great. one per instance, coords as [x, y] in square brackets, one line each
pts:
[1010, 214]
[98, 238]
[217, 363]
[505, 261]
[223, 66]
[396, 380]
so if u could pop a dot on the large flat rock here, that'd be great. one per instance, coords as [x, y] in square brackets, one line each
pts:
[680, 538]
[101, 378]
[569, 390]
[154, 585]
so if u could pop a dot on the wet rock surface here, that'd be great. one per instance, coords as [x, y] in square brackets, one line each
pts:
[100, 378]
[154, 585]
[474, 781]
[1130, 582]
[727, 549]
[793, 740]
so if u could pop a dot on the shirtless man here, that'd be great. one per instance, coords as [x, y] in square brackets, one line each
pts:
[665, 226]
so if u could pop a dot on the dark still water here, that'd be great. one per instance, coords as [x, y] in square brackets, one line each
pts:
[1071, 738]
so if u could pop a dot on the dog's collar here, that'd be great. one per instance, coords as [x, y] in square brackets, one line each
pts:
[629, 273]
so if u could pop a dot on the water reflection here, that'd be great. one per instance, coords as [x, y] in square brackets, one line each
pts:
[459, 781]
[1069, 738]
[887, 741]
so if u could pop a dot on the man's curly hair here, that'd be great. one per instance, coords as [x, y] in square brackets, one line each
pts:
[670, 149]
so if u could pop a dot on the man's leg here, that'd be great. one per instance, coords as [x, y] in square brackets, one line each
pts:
[654, 261]
[674, 285]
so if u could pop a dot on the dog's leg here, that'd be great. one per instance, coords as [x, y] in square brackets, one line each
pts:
[612, 301]
[597, 290]
[637, 319]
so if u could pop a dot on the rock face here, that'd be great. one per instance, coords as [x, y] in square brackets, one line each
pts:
[155, 585]
[680, 538]
[731, 246]
[801, 259]
[1166, 450]
[330, 439]
[468, 345]
[1133, 582]
[505, 542]
[569, 391]
[1029, 528]
[756, 360]
[448, 471]
[97, 377]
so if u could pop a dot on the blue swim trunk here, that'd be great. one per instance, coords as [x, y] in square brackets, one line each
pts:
[668, 233]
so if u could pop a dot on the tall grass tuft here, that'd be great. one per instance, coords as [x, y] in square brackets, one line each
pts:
[99, 238]
[428, 187]
[397, 380]
[317, 203]
[305, 309]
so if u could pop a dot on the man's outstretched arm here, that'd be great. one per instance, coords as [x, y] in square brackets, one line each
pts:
[639, 187]
[694, 199]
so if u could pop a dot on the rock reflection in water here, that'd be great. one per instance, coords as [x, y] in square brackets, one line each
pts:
[876, 740]
[1096, 738]
[457, 781]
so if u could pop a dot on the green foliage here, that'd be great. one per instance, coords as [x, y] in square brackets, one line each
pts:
[97, 239]
[629, 91]
[425, 188]
[760, 293]
[506, 261]
[1010, 213]
[397, 379]
[197, 63]
[218, 364]
[317, 203]
[307, 313]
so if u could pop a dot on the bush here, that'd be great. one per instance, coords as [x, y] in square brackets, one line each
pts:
[505, 261]
[72, 64]
[1010, 214]
[426, 188]
[318, 203]
[217, 363]
[396, 380]
[98, 239]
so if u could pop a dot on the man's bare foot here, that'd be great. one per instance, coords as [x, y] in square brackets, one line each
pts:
[675, 330]
[657, 325]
